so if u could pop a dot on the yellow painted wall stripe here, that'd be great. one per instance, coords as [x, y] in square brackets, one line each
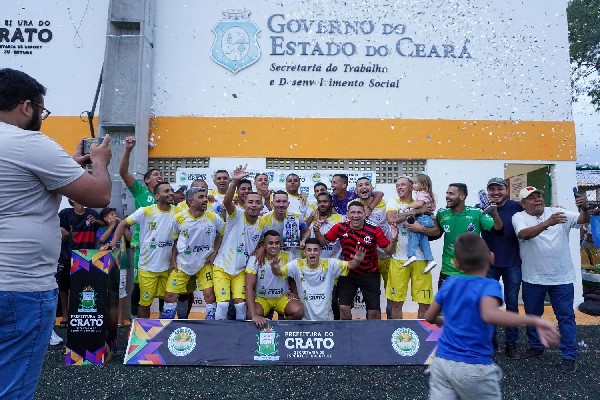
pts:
[346, 138]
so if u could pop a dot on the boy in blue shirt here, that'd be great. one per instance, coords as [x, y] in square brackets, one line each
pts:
[463, 366]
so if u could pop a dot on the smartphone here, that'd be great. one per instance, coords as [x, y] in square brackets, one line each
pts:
[489, 208]
[575, 192]
[87, 143]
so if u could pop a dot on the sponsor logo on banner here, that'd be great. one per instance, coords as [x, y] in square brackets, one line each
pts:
[87, 300]
[236, 43]
[267, 345]
[309, 344]
[405, 342]
[182, 341]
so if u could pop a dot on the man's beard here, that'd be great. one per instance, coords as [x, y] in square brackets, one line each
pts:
[35, 123]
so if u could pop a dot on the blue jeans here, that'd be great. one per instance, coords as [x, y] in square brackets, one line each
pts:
[561, 298]
[416, 240]
[511, 278]
[26, 322]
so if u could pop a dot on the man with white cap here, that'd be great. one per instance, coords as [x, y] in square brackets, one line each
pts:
[547, 268]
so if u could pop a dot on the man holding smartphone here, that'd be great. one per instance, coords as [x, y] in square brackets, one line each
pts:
[36, 172]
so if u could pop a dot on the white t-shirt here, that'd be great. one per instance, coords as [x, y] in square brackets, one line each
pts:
[378, 217]
[156, 236]
[196, 239]
[297, 207]
[269, 285]
[268, 221]
[239, 241]
[333, 249]
[315, 285]
[33, 166]
[546, 258]
[394, 204]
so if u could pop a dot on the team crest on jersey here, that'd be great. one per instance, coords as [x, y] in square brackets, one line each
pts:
[267, 345]
[405, 342]
[367, 239]
[470, 227]
[152, 226]
[185, 233]
[236, 41]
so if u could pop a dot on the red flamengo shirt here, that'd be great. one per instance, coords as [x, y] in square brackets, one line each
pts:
[370, 236]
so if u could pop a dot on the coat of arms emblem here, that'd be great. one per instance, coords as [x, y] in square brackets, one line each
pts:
[236, 43]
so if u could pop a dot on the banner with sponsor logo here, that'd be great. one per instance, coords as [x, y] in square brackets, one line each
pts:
[93, 301]
[308, 178]
[196, 342]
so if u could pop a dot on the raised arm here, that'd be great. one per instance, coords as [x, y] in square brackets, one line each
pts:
[238, 174]
[127, 177]
[93, 190]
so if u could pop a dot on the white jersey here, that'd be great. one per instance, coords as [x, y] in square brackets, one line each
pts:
[333, 249]
[315, 285]
[377, 216]
[239, 241]
[297, 207]
[395, 204]
[196, 239]
[269, 285]
[156, 236]
[269, 222]
[218, 204]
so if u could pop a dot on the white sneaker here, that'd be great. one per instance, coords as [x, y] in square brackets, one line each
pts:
[410, 261]
[430, 265]
[55, 340]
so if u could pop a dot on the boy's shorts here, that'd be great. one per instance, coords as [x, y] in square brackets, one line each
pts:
[277, 304]
[229, 287]
[152, 285]
[399, 277]
[452, 379]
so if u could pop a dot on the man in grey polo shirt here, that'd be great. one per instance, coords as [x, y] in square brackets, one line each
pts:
[36, 171]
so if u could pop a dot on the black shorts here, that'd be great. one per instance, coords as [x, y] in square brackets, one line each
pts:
[369, 284]
[63, 277]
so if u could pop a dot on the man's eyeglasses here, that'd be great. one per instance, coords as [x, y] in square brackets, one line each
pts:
[45, 112]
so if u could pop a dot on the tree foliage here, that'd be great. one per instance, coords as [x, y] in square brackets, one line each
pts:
[584, 47]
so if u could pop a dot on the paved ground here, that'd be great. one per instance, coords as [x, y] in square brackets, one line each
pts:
[532, 379]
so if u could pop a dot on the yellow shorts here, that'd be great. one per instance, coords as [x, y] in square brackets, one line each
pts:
[399, 277]
[203, 278]
[384, 267]
[229, 287]
[278, 304]
[152, 285]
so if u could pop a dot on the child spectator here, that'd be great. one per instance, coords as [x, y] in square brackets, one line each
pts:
[104, 235]
[463, 366]
[423, 206]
